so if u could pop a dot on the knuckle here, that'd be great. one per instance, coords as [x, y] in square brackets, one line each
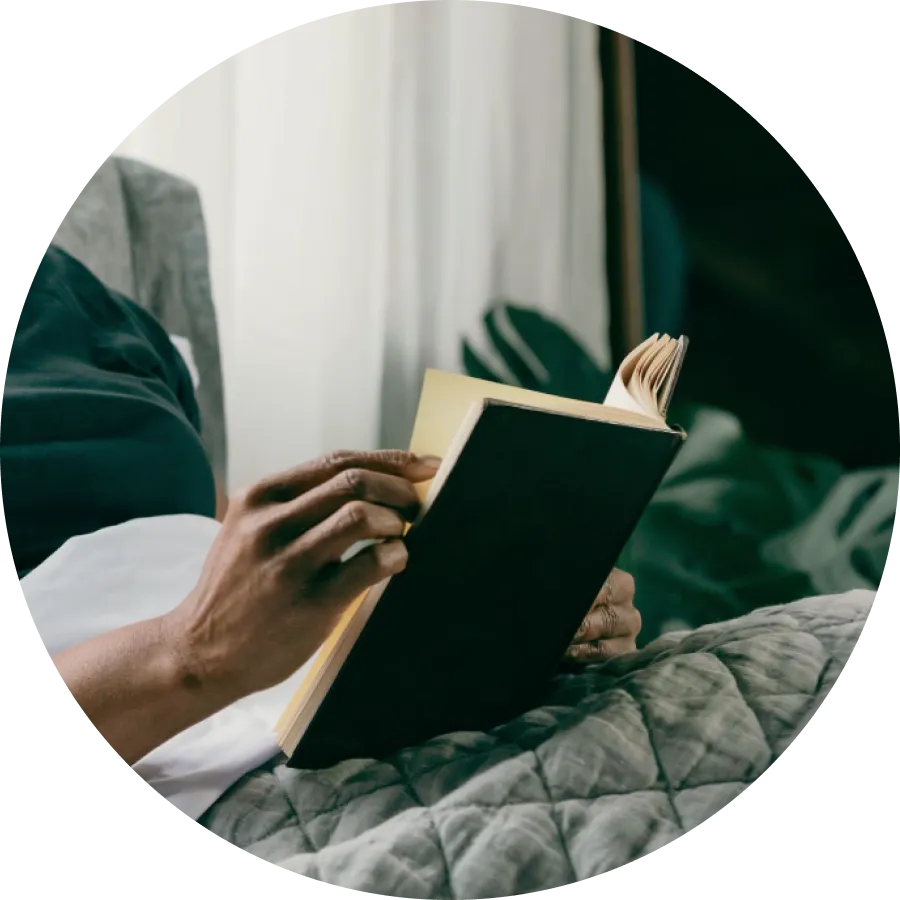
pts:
[355, 514]
[336, 459]
[282, 567]
[269, 490]
[354, 482]
[251, 530]
[242, 500]
[610, 619]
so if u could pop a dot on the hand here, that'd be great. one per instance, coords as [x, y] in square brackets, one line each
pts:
[274, 584]
[612, 626]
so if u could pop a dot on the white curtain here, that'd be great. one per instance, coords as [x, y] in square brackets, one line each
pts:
[370, 182]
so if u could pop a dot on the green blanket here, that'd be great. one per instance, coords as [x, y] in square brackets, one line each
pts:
[735, 526]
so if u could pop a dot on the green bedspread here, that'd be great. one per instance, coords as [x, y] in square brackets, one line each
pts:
[735, 526]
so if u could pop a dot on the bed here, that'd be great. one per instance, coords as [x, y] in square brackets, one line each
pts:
[619, 761]
[755, 568]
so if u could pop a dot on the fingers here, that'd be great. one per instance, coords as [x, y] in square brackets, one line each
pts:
[613, 613]
[617, 590]
[367, 568]
[600, 651]
[289, 520]
[612, 626]
[288, 485]
[324, 544]
[608, 621]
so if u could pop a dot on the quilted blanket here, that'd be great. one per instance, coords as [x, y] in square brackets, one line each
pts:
[618, 761]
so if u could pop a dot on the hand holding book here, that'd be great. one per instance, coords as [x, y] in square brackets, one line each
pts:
[277, 579]
[612, 625]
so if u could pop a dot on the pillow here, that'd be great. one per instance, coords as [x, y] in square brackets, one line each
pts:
[183, 346]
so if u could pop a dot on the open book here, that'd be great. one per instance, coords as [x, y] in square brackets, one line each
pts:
[534, 501]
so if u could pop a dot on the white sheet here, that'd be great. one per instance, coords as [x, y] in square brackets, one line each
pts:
[183, 346]
[136, 571]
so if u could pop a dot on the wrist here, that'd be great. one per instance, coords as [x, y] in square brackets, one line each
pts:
[191, 671]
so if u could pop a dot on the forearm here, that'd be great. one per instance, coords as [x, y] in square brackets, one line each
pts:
[133, 686]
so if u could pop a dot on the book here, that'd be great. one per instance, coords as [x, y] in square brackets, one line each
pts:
[534, 501]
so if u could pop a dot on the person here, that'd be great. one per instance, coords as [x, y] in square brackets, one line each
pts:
[100, 426]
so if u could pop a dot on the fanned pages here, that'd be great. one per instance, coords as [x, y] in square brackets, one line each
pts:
[646, 379]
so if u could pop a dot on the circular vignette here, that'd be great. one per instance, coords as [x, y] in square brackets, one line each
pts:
[96, 78]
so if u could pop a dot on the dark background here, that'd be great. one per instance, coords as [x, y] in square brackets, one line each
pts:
[784, 329]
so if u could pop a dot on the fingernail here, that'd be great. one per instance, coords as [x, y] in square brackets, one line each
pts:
[429, 462]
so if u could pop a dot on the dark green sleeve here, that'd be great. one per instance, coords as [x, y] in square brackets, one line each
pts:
[100, 424]
[183, 385]
[175, 370]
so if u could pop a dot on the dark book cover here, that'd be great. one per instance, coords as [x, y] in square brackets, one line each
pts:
[503, 568]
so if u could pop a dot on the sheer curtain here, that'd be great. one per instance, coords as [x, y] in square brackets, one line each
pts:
[370, 182]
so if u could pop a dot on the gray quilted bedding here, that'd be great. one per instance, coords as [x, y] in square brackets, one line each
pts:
[620, 760]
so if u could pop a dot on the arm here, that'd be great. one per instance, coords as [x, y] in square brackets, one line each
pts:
[133, 685]
[273, 586]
